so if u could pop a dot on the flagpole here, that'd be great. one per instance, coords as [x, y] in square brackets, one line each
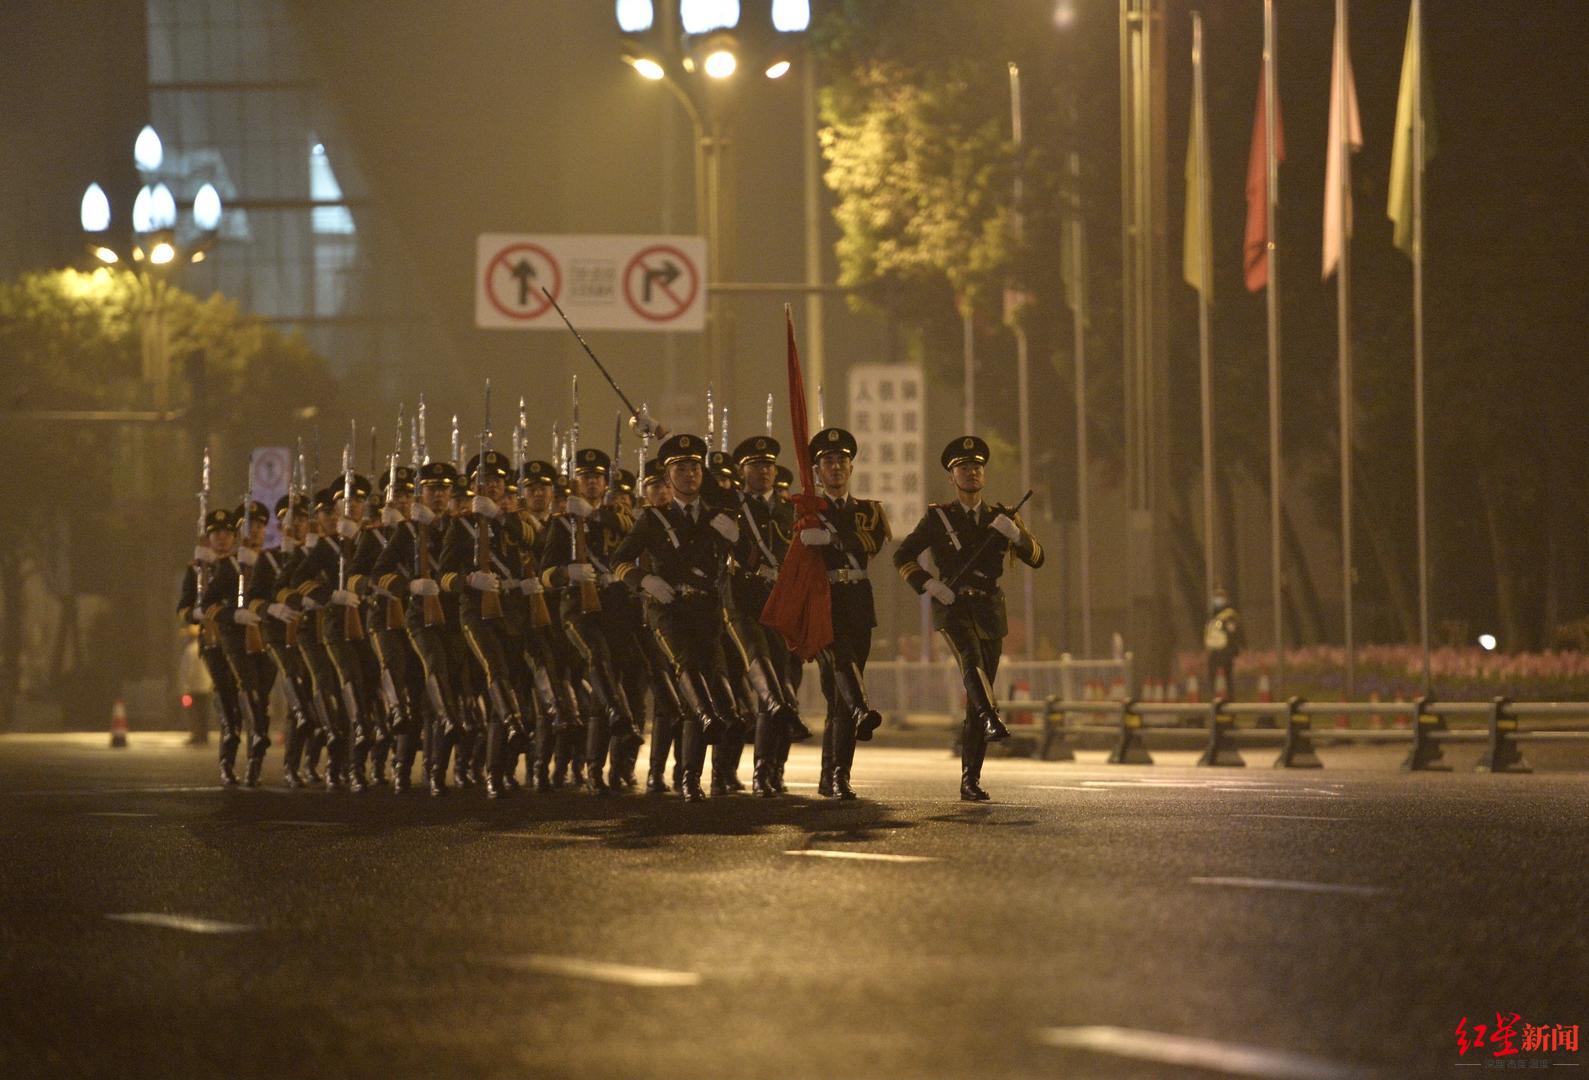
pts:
[1272, 303]
[1078, 273]
[1205, 260]
[1417, 338]
[1343, 328]
[1022, 377]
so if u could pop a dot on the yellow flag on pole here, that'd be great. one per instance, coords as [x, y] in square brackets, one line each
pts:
[1414, 80]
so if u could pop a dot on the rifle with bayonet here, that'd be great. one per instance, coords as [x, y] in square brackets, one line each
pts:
[352, 628]
[589, 595]
[430, 606]
[253, 641]
[490, 602]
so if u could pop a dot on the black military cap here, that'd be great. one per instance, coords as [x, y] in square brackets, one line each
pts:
[361, 486]
[325, 499]
[257, 511]
[438, 472]
[405, 479]
[300, 505]
[720, 464]
[539, 472]
[965, 448]
[460, 488]
[591, 460]
[783, 479]
[623, 480]
[564, 488]
[757, 448]
[495, 463]
[219, 520]
[682, 447]
[653, 473]
[833, 441]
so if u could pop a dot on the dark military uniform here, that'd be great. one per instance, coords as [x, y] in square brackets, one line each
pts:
[858, 530]
[961, 548]
[687, 559]
[265, 587]
[190, 606]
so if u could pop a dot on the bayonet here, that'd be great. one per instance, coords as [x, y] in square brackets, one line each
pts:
[769, 416]
[457, 443]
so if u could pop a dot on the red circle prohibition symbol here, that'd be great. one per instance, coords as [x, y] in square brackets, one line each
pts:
[680, 306]
[541, 304]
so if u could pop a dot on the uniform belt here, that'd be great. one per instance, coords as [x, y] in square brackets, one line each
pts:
[847, 575]
[971, 590]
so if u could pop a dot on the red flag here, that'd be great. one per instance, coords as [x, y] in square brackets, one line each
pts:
[801, 604]
[1256, 248]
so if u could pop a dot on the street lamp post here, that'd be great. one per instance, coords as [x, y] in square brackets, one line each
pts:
[697, 49]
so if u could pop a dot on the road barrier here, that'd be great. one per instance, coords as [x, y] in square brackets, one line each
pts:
[1427, 727]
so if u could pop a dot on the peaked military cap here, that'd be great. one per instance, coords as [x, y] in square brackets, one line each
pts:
[300, 504]
[783, 479]
[361, 487]
[591, 460]
[833, 441]
[438, 472]
[653, 473]
[965, 448]
[494, 462]
[720, 464]
[405, 479]
[325, 499]
[539, 472]
[623, 480]
[757, 448]
[682, 447]
[219, 520]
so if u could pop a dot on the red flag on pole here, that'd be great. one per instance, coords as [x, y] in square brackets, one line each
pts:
[801, 604]
[1256, 248]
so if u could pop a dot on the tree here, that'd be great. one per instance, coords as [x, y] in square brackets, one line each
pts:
[104, 506]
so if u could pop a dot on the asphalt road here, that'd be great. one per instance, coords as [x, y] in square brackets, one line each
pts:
[1094, 921]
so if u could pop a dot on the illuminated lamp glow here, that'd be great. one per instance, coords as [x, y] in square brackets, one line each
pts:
[720, 64]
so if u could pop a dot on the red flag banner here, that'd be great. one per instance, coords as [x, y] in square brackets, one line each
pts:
[1256, 247]
[801, 604]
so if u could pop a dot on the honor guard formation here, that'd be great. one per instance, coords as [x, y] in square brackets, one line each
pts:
[467, 613]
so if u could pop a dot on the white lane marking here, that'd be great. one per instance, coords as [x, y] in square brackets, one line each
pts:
[1292, 886]
[800, 783]
[1066, 787]
[1233, 1059]
[191, 923]
[599, 970]
[548, 837]
[1295, 817]
[118, 813]
[302, 824]
[874, 856]
[114, 791]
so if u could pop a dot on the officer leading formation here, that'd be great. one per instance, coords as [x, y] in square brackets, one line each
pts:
[461, 615]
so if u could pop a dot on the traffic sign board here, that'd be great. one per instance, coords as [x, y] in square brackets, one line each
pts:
[603, 282]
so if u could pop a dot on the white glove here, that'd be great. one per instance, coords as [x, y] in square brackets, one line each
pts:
[423, 514]
[344, 598]
[483, 581]
[203, 554]
[288, 544]
[247, 556]
[579, 507]
[245, 617]
[391, 515]
[424, 586]
[815, 537]
[642, 422]
[726, 527]
[485, 507]
[347, 528]
[1006, 528]
[282, 613]
[530, 586]
[311, 540]
[657, 589]
[579, 573]
[939, 591]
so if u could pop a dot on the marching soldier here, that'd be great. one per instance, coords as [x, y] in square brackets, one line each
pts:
[667, 712]
[574, 554]
[219, 538]
[848, 534]
[955, 554]
[685, 547]
[225, 604]
[278, 627]
[478, 563]
[764, 541]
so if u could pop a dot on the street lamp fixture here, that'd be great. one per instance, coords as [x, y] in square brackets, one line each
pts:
[778, 70]
[646, 67]
[106, 256]
[720, 63]
[96, 210]
[162, 253]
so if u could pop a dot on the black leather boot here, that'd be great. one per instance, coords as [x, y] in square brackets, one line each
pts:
[841, 783]
[358, 780]
[761, 781]
[655, 784]
[402, 763]
[496, 752]
[256, 759]
[691, 752]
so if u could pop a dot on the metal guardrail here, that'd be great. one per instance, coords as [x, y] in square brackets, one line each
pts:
[1133, 721]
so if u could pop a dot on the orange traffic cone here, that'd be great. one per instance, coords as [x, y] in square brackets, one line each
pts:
[1193, 694]
[1376, 720]
[118, 725]
[1264, 692]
